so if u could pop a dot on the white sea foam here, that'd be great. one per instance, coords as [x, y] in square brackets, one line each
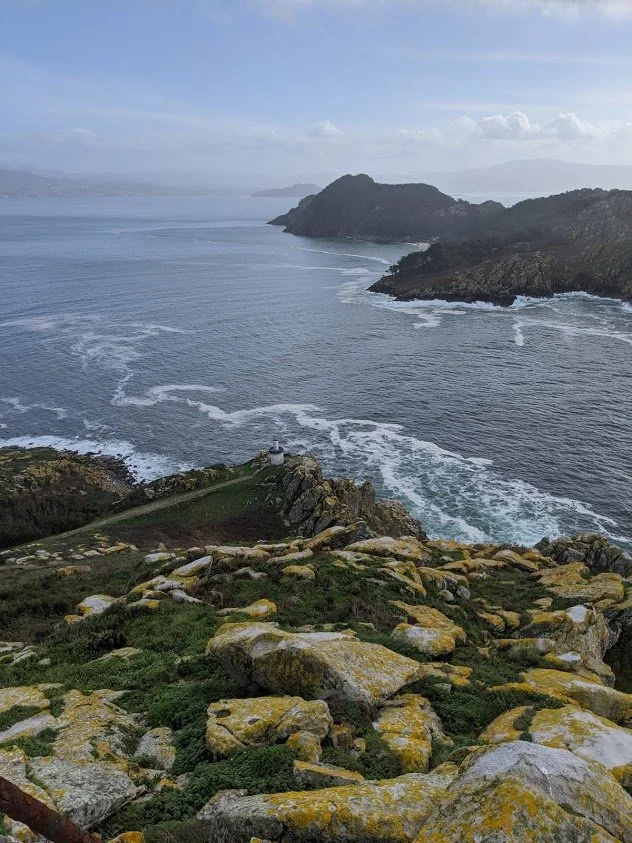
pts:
[17, 405]
[454, 495]
[345, 255]
[144, 465]
[518, 335]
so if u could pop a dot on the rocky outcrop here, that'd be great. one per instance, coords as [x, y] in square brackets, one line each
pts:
[523, 792]
[389, 811]
[313, 503]
[43, 491]
[499, 274]
[234, 725]
[581, 732]
[316, 665]
[592, 550]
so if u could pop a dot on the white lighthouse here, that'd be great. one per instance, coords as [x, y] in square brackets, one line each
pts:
[276, 453]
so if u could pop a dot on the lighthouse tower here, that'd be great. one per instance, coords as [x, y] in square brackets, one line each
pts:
[276, 453]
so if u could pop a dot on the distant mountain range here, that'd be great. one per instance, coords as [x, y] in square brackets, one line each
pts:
[23, 184]
[295, 191]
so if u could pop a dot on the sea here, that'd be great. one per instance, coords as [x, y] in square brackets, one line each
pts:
[180, 332]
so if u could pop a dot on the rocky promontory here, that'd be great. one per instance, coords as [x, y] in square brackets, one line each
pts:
[579, 241]
[487, 273]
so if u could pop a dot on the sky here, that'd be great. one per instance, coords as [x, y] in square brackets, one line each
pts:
[300, 88]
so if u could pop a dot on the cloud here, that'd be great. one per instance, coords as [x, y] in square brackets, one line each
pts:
[324, 129]
[566, 8]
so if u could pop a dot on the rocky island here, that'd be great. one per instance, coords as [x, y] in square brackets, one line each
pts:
[248, 653]
[580, 241]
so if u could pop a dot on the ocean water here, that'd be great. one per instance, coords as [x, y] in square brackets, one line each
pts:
[181, 332]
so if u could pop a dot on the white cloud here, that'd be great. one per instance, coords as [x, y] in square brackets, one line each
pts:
[325, 129]
[567, 8]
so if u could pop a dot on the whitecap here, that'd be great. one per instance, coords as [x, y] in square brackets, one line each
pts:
[518, 335]
[18, 406]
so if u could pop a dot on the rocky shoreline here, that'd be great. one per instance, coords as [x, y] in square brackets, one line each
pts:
[499, 275]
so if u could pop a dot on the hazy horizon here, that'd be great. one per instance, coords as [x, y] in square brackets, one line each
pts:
[307, 89]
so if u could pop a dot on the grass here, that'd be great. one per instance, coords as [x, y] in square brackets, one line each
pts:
[36, 746]
[33, 600]
[241, 512]
[16, 714]
[378, 762]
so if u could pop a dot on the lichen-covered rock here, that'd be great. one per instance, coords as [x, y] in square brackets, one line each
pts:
[91, 726]
[408, 725]
[526, 777]
[29, 727]
[85, 792]
[259, 610]
[236, 724]
[323, 775]
[13, 763]
[573, 581]
[569, 688]
[433, 633]
[492, 620]
[314, 665]
[304, 572]
[96, 604]
[508, 811]
[431, 618]
[124, 653]
[407, 549]
[193, 568]
[297, 556]
[305, 745]
[389, 811]
[581, 732]
[338, 537]
[515, 560]
[453, 674]
[25, 696]
[157, 746]
[579, 629]
[241, 554]
[430, 642]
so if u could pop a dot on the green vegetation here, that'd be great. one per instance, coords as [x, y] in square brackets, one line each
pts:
[15, 715]
[37, 745]
[43, 491]
[263, 770]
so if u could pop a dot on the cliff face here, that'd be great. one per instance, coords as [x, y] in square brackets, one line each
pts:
[313, 503]
[499, 275]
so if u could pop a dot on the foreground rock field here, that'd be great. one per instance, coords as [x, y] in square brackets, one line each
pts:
[336, 685]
